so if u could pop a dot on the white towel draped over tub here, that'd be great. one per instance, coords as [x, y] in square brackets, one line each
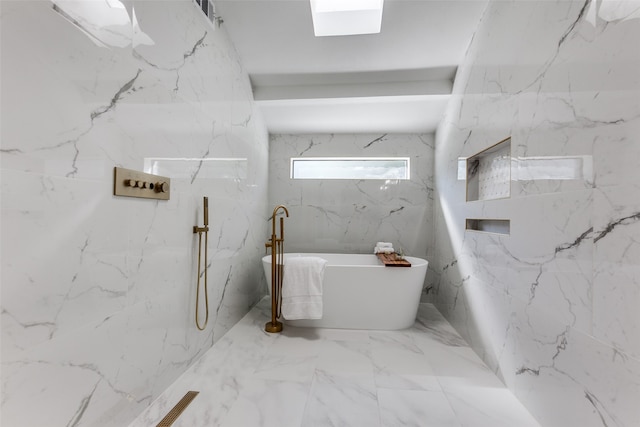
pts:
[302, 288]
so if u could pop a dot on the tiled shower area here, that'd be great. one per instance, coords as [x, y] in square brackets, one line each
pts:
[426, 375]
[531, 324]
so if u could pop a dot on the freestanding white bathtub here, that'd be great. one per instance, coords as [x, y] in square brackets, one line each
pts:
[359, 292]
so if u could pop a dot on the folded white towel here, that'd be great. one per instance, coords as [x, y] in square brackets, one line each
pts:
[302, 288]
[383, 250]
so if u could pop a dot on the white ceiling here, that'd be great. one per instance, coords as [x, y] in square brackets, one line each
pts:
[396, 81]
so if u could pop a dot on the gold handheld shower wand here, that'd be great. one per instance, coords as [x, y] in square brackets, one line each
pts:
[204, 230]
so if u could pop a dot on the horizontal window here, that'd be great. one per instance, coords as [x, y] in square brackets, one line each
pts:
[350, 168]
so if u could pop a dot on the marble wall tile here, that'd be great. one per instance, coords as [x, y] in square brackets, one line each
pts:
[616, 276]
[350, 216]
[98, 292]
[550, 307]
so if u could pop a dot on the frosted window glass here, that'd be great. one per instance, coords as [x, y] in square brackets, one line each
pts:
[350, 168]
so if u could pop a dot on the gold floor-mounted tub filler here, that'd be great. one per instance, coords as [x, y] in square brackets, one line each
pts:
[277, 260]
[201, 230]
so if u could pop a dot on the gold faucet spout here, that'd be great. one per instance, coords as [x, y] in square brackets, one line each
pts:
[273, 222]
[277, 208]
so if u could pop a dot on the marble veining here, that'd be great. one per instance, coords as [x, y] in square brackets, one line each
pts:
[333, 377]
[98, 292]
[350, 216]
[551, 308]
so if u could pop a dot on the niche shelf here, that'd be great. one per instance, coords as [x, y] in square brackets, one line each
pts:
[489, 173]
[497, 226]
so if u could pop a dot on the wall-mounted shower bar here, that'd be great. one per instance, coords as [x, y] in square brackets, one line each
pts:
[204, 230]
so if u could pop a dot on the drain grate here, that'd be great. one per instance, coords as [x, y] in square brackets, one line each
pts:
[174, 413]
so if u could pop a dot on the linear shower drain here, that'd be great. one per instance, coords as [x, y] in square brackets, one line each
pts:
[174, 413]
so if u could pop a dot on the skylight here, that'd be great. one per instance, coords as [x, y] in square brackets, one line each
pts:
[346, 17]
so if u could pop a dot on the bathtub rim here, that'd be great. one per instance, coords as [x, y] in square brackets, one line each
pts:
[415, 261]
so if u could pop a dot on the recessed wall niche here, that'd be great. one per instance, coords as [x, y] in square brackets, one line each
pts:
[497, 226]
[489, 173]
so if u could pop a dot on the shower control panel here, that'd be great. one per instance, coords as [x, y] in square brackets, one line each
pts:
[131, 183]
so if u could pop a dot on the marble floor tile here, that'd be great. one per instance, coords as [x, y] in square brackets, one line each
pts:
[346, 357]
[287, 368]
[415, 408]
[269, 404]
[304, 377]
[481, 405]
[404, 339]
[460, 362]
[345, 400]
[432, 325]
